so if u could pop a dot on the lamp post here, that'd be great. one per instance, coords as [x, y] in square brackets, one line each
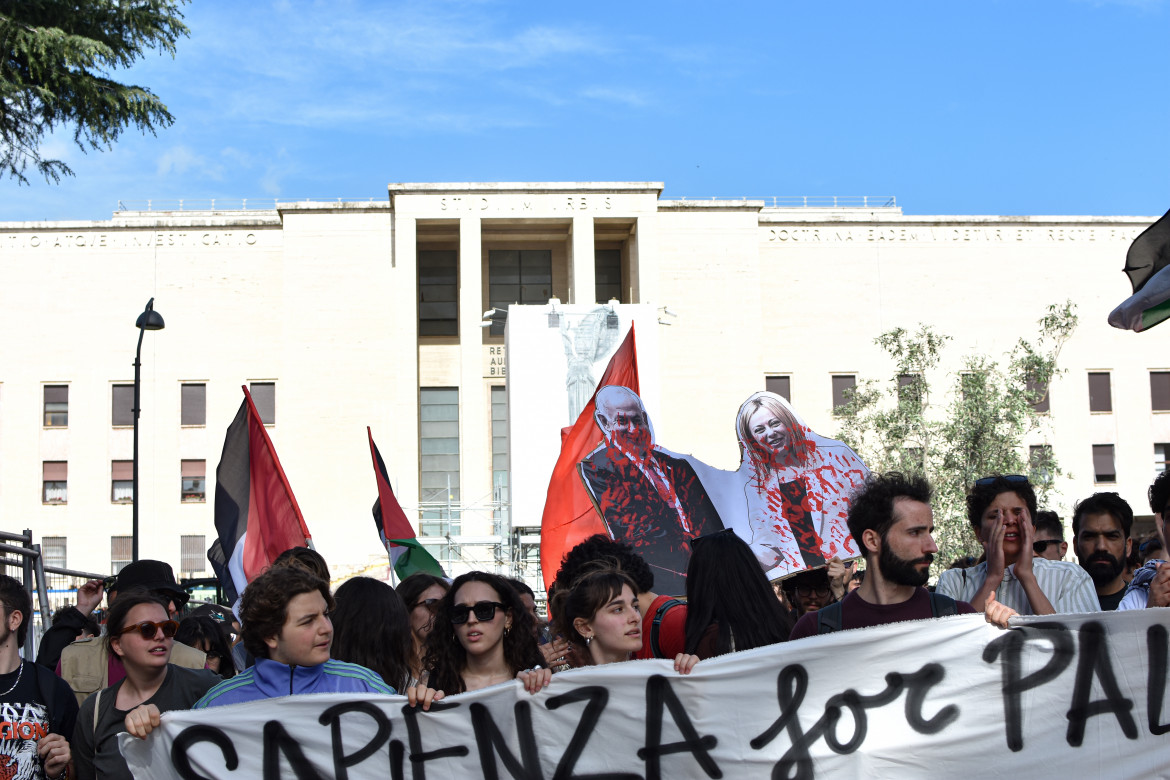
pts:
[149, 319]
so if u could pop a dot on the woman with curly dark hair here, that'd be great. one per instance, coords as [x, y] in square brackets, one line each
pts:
[420, 592]
[482, 636]
[370, 628]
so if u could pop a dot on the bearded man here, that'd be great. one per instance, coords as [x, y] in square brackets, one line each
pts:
[1101, 525]
[890, 518]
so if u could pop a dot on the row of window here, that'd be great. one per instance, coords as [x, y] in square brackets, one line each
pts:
[55, 481]
[193, 404]
[1100, 390]
[514, 276]
[192, 555]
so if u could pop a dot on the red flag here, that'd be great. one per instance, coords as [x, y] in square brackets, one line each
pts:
[569, 517]
[254, 504]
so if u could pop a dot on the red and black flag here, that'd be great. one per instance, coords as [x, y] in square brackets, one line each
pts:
[256, 513]
[407, 556]
[1147, 264]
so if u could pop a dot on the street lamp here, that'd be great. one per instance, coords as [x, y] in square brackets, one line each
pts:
[147, 320]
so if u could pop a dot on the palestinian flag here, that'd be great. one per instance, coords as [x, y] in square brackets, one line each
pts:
[1148, 266]
[256, 514]
[407, 556]
[569, 515]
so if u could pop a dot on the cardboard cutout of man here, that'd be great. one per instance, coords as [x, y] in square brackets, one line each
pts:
[649, 499]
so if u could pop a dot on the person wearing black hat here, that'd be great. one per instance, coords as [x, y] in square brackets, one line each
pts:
[86, 664]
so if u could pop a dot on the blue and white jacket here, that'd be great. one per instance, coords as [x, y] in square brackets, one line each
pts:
[269, 679]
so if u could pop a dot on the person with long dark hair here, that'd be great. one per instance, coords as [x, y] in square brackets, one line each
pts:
[730, 605]
[420, 592]
[208, 634]
[600, 613]
[141, 634]
[482, 636]
[370, 628]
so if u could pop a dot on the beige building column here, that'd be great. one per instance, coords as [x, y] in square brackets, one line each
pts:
[582, 278]
[644, 260]
[475, 474]
[403, 457]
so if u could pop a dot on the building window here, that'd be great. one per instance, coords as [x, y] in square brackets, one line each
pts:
[780, 385]
[1100, 393]
[123, 405]
[1161, 453]
[1160, 391]
[842, 390]
[438, 293]
[53, 551]
[439, 460]
[607, 274]
[264, 396]
[518, 276]
[910, 388]
[55, 478]
[56, 406]
[500, 454]
[1040, 463]
[121, 551]
[122, 481]
[194, 488]
[1104, 469]
[193, 558]
[193, 404]
[1039, 391]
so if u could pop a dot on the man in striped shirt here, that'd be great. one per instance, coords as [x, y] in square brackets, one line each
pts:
[1000, 509]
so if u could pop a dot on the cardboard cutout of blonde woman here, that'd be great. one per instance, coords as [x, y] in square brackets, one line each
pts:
[796, 488]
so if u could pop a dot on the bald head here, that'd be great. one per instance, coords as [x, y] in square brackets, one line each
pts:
[620, 407]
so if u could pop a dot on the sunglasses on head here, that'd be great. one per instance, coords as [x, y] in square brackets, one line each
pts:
[148, 629]
[484, 611]
[1015, 479]
[1040, 546]
[430, 604]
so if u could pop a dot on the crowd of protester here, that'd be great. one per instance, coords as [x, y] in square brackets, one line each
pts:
[429, 638]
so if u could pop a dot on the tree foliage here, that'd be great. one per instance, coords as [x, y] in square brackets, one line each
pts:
[56, 69]
[987, 414]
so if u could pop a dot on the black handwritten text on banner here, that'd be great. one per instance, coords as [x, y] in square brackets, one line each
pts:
[1078, 694]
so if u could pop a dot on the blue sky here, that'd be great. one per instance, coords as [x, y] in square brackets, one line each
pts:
[952, 106]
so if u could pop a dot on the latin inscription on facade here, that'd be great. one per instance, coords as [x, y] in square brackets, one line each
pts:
[495, 362]
[1007, 234]
[520, 204]
[122, 239]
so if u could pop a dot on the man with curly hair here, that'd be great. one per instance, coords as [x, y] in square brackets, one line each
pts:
[285, 624]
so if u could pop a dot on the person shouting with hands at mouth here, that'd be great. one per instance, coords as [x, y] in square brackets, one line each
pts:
[1000, 509]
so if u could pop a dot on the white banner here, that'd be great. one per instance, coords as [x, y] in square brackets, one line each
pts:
[1081, 695]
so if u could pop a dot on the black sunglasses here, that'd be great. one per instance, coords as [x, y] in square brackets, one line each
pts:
[430, 604]
[1015, 479]
[484, 611]
[1040, 546]
[149, 629]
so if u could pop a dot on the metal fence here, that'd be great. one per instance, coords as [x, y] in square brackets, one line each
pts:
[806, 201]
[50, 587]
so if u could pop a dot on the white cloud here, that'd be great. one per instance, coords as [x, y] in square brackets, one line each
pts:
[626, 97]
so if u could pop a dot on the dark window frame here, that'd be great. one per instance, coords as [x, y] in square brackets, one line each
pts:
[193, 404]
[780, 384]
[121, 417]
[56, 396]
[1101, 454]
[1100, 392]
[265, 405]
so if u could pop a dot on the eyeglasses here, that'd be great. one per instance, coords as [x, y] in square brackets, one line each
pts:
[149, 629]
[1015, 479]
[430, 604]
[484, 611]
[1041, 545]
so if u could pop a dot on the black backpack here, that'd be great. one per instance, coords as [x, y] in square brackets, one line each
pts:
[829, 618]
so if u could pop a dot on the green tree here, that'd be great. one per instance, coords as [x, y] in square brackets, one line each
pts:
[989, 411]
[56, 69]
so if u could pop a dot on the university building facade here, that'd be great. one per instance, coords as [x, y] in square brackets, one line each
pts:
[340, 315]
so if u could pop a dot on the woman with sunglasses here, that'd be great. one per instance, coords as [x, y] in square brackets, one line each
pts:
[141, 634]
[420, 593]
[482, 636]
